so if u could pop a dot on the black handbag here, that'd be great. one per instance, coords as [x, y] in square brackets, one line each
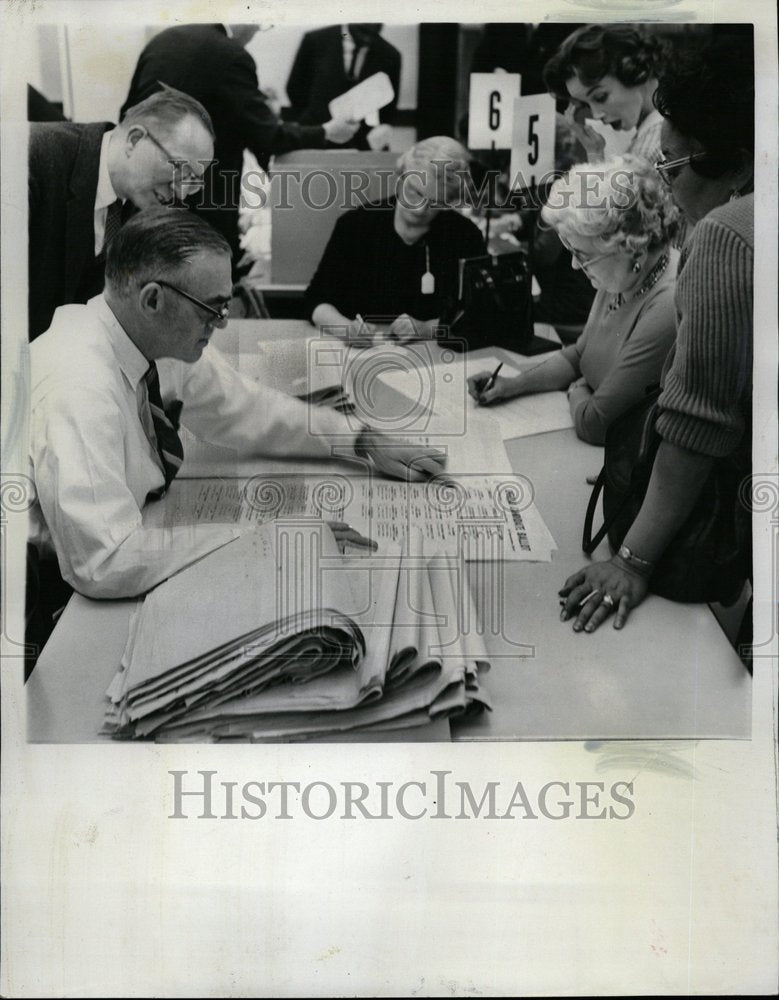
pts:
[711, 555]
[494, 305]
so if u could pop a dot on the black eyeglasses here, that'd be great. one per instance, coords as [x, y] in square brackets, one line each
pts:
[668, 169]
[188, 176]
[221, 314]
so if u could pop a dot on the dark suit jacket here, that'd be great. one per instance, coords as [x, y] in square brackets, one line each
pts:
[202, 61]
[318, 75]
[64, 160]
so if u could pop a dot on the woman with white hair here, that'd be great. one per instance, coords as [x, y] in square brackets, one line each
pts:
[618, 221]
[395, 261]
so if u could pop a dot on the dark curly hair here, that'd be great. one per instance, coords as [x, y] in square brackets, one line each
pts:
[630, 54]
[708, 94]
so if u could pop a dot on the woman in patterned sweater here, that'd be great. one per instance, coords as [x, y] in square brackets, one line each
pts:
[707, 102]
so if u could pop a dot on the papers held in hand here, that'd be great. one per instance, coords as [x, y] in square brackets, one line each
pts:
[363, 100]
[278, 636]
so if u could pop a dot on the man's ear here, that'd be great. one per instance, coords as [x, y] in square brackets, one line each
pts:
[150, 299]
[134, 135]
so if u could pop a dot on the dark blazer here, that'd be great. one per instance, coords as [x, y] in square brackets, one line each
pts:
[318, 75]
[63, 161]
[202, 61]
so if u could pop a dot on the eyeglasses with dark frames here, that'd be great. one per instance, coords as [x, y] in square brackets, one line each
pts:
[188, 177]
[668, 169]
[221, 314]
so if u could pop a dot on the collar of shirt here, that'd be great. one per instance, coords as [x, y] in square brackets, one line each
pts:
[348, 46]
[133, 364]
[105, 194]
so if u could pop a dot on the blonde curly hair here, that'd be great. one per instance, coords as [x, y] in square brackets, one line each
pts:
[439, 157]
[620, 204]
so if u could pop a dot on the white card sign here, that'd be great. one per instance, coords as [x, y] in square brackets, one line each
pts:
[532, 145]
[491, 109]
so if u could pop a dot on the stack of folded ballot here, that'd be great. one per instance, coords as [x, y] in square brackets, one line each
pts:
[279, 636]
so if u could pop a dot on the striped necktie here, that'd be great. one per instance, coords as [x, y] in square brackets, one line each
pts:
[168, 442]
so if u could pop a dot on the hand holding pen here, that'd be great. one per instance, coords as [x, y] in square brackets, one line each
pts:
[487, 388]
[361, 334]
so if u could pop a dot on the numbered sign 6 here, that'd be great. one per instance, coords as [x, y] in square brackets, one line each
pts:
[491, 109]
[532, 145]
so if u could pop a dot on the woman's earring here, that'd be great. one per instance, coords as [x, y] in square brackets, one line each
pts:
[734, 194]
[636, 266]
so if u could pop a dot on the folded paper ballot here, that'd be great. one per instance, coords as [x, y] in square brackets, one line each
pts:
[364, 99]
[277, 635]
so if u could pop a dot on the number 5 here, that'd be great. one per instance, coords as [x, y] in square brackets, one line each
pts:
[532, 139]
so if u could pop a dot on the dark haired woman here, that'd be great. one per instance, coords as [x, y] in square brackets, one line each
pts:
[610, 73]
[707, 102]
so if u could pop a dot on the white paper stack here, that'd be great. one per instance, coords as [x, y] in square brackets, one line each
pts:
[266, 639]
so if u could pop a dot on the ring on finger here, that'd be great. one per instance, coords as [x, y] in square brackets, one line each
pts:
[608, 600]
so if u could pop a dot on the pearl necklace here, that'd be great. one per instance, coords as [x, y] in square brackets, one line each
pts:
[649, 282]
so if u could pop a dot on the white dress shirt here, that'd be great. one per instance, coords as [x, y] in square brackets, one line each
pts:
[93, 455]
[105, 195]
[348, 49]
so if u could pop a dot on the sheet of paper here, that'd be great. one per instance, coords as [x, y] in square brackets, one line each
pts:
[520, 417]
[364, 99]
[489, 518]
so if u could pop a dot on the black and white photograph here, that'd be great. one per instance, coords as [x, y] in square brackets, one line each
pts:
[389, 499]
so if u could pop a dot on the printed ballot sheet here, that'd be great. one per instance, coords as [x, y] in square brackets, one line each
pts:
[484, 518]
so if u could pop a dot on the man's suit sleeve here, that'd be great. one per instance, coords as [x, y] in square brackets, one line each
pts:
[262, 132]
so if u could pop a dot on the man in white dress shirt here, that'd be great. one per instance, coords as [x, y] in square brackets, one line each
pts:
[102, 446]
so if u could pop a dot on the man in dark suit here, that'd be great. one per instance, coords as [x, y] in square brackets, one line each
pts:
[84, 179]
[209, 62]
[331, 61]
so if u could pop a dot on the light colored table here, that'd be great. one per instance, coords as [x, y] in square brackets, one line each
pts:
[670, 673]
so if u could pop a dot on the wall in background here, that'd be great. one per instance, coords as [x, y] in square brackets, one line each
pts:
[89, 69]
[274, 50]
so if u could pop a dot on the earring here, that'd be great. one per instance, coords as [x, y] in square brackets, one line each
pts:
[735, 194]
[636, 266]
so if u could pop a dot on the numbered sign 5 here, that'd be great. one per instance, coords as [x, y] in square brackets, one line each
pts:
[491, 109]
[532, 145]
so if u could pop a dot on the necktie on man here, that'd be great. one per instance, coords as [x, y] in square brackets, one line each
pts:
[168, 442]
[113, 223]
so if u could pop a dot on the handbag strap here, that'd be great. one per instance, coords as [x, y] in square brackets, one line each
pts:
[589, 544]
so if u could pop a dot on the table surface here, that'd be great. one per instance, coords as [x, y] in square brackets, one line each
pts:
[670, 674]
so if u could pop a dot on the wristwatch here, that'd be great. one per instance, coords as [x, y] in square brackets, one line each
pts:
[643, 566]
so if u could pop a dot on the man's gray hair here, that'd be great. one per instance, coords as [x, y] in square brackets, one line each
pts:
[167, 107]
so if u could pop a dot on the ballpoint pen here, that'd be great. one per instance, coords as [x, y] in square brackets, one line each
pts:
[491, 380]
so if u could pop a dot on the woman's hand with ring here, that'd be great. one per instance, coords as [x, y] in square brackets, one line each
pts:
[597, 590]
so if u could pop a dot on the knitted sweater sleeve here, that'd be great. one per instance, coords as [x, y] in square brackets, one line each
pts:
[702, 400]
